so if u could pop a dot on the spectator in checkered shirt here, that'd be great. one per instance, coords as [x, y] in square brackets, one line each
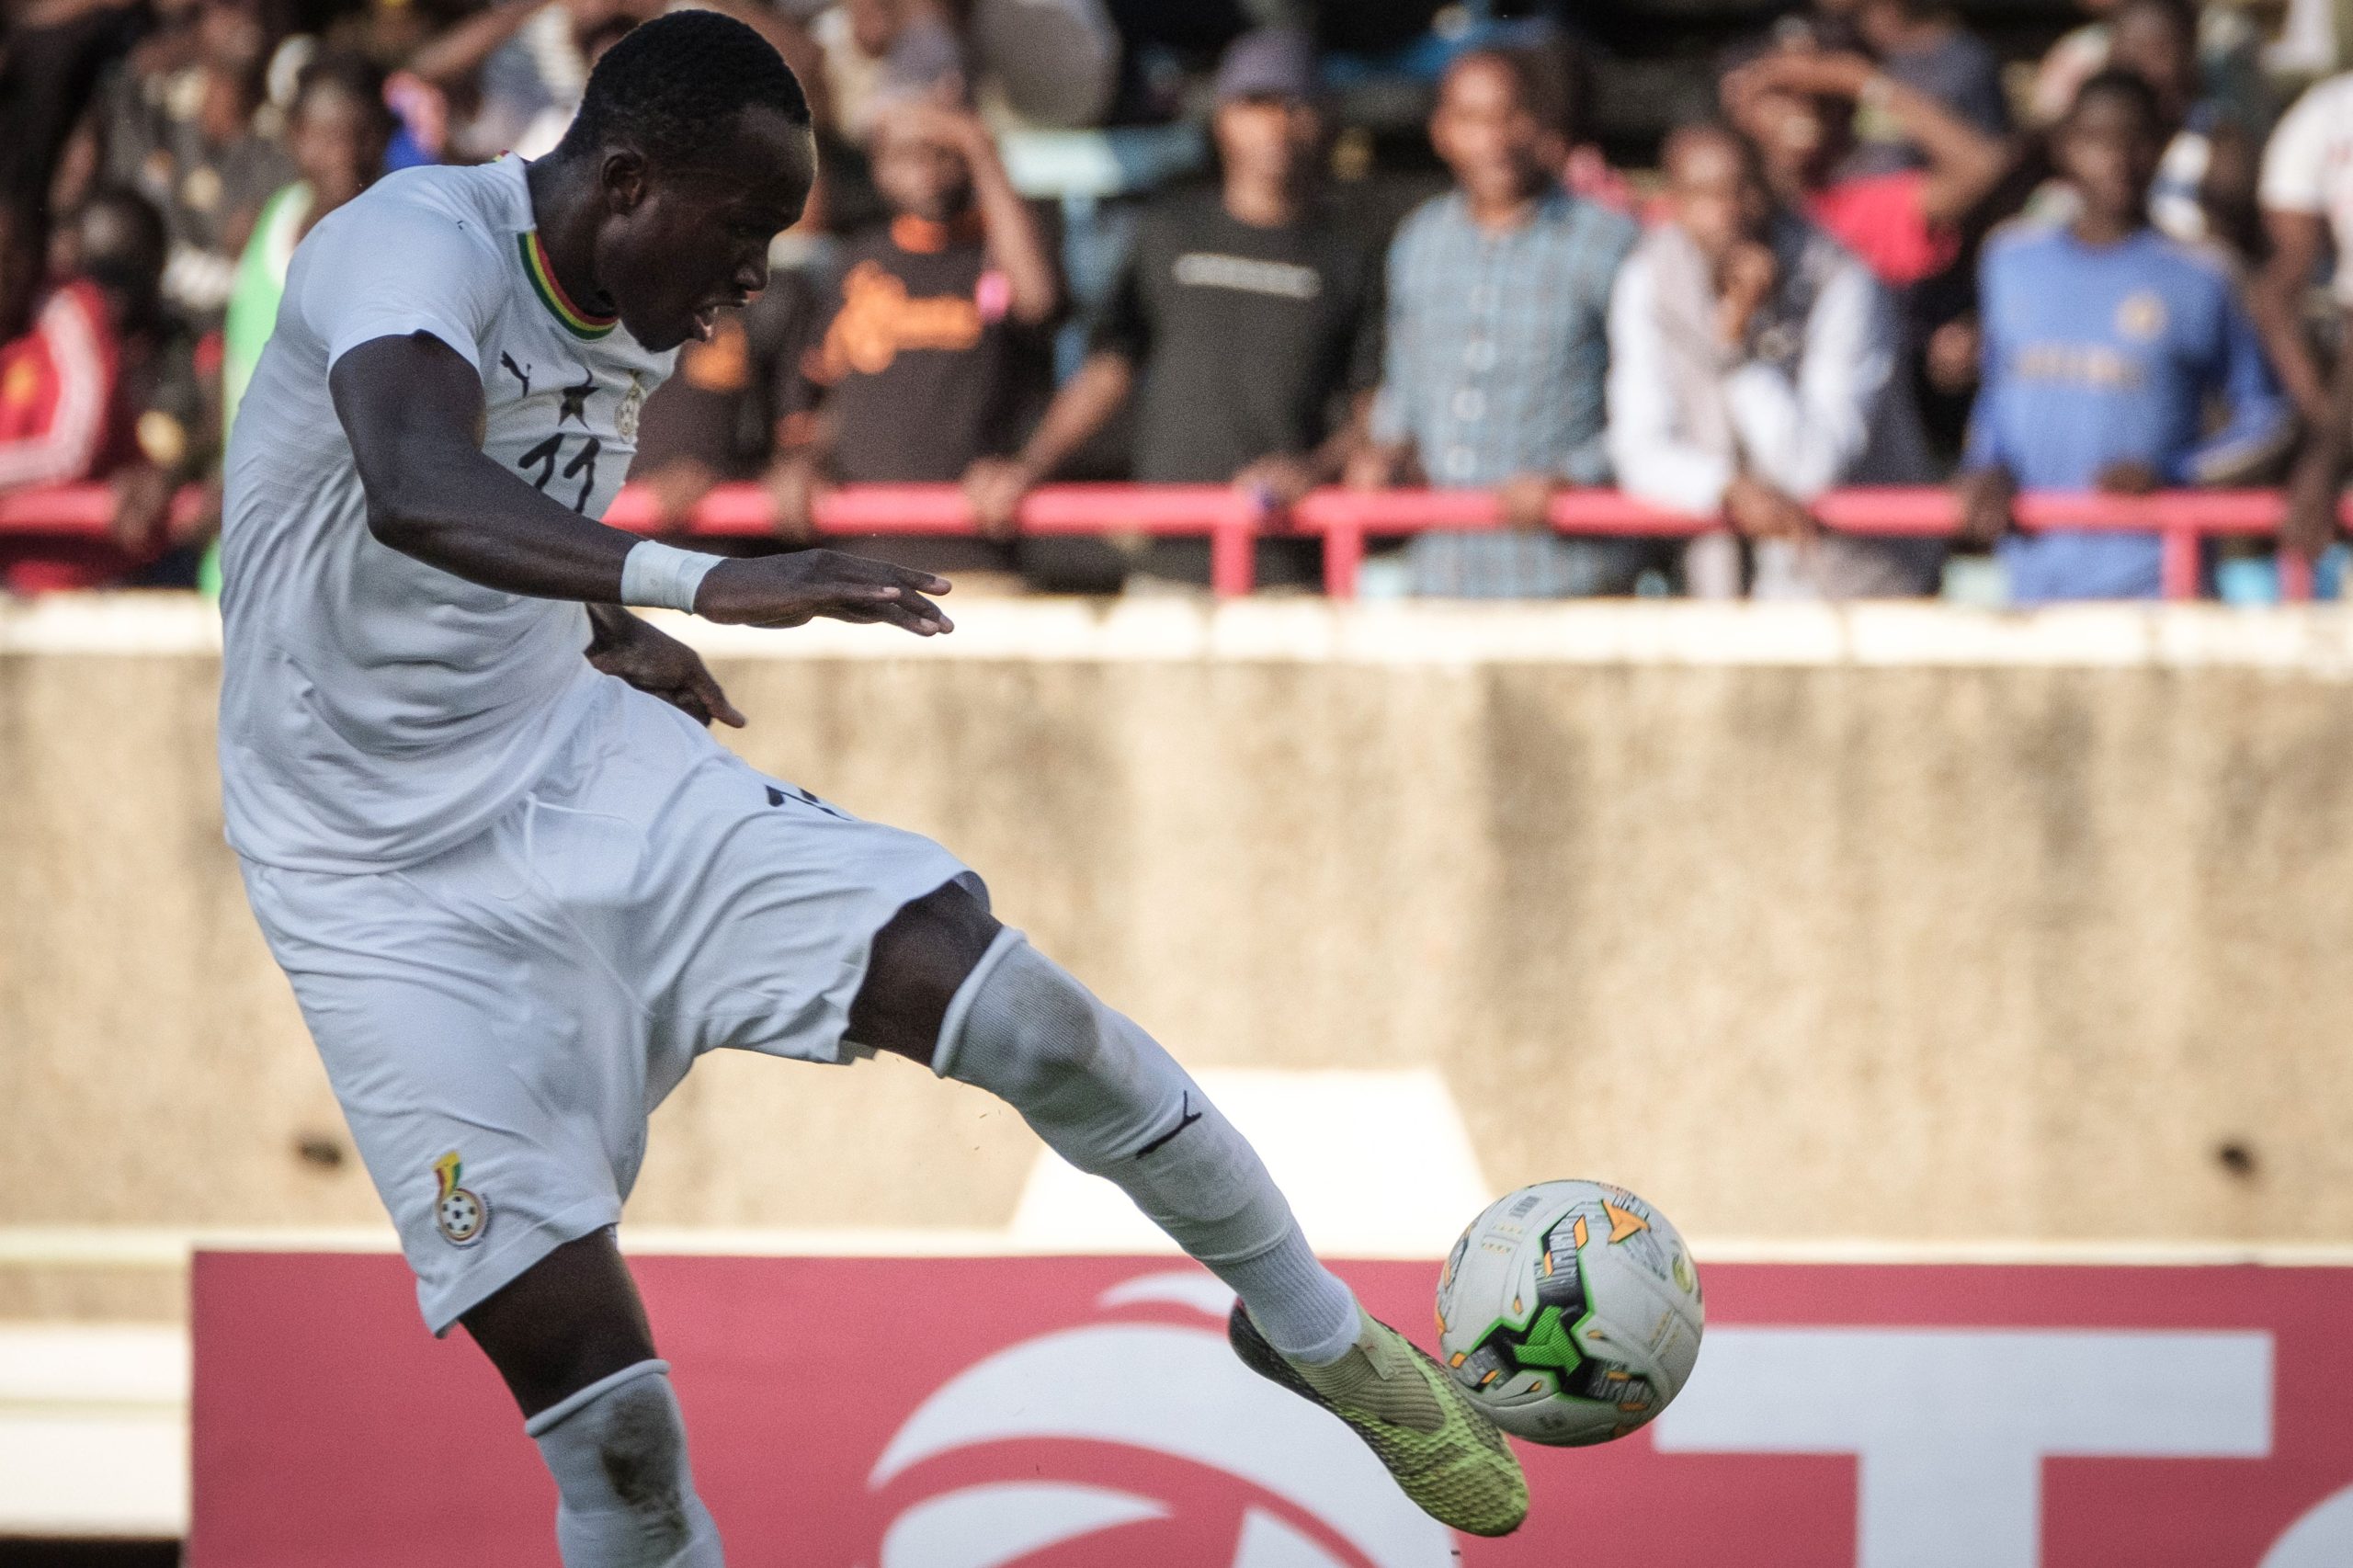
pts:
[1497, 345]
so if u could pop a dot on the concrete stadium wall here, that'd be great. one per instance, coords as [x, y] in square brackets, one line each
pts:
[1895, 923]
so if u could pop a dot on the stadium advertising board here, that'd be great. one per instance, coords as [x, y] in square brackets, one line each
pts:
[1061, 1412]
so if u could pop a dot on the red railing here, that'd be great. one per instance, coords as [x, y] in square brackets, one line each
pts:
[1232, 520]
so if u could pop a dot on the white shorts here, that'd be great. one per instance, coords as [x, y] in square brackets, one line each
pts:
[499, 1021]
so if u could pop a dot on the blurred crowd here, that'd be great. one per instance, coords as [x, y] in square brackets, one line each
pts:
[1873, 251]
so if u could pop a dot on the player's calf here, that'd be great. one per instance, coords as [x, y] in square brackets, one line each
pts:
[1107, 1098]
[618, 1450]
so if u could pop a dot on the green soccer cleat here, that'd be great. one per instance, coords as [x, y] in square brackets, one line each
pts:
[1445, 1453]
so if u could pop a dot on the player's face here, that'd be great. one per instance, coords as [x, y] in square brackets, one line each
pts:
[1717, 199]
[2108, 151]
[1801, 136]
[337, 143]
[918, 170]
[681, 244]
[1266, 139]
[1484, 134]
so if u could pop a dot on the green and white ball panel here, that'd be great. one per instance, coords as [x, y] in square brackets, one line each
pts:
[1571, 1310]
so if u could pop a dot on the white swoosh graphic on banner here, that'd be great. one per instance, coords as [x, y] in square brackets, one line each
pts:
[1267, 1542]
[1179, 1392]
[1199, 1289]
[984, 1526]
[2322, 1539]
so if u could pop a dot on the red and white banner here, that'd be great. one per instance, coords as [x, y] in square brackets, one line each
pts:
[1070, 1413]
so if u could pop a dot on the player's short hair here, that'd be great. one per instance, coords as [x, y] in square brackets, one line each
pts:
[2182, 14]
[1712, 128]
[1547, 75]
[122, 241]
[354, 76]
[673, 88]
[2127, 86]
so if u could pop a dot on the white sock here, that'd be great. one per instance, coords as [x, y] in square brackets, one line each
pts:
[625, 1494]
[1105, 1097]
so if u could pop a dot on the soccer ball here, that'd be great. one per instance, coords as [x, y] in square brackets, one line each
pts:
[1570, 1310]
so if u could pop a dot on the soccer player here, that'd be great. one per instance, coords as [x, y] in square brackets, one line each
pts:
[518, 891]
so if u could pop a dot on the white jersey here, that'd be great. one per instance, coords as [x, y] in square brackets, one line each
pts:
[2308, 167]
[376, 710]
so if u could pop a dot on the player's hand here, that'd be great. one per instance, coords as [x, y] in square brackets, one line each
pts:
[2309, 525]
[142, 505]
[1279, 478]
[1526, 500]
[633, 649]
[941, 118]
[1372, 467]
[1761, 511]
[1805, 72]
[2129, 477]
[677, 488]
[795, 485]
[200, 525]
[1985, 497]
[792, 590]
[1748, 274]
[993, 487]
[1952, 356]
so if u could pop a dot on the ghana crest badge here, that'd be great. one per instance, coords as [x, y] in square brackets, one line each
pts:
[625, 416]
[2142, 316]
[459, 1214]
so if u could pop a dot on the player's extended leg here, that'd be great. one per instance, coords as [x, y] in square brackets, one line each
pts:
[949, 987]
[569, 1336]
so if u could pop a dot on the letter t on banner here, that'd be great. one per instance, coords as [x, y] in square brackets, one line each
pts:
[1950, 1428]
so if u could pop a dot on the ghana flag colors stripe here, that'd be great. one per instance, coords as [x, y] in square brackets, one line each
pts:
[577, 322]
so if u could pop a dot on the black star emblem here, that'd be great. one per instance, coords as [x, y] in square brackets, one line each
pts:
[575, 400]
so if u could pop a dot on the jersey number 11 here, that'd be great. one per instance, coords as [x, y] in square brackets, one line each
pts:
[582, 465]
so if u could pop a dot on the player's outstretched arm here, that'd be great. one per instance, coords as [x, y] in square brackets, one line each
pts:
[412, 408]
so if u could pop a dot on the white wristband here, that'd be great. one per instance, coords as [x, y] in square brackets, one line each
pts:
[661, 576]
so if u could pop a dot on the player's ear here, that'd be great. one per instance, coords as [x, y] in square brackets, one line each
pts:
[624, 178]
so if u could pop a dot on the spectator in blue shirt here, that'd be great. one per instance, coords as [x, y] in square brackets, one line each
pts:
[1499, 302]
[2106, 344]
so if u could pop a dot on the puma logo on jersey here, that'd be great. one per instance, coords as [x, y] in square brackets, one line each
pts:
[1185, 1117]
[778, 797]
[520, 373]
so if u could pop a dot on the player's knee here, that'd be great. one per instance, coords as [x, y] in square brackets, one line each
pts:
[1031, 1031]
[921, 957]
[640, 1454]
[618, 1450]
[1059, 1019]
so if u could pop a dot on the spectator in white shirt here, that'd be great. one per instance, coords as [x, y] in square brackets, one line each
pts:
[2307, 197]
[1754, 364]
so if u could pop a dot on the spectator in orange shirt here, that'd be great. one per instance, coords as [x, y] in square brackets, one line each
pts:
[936, 356]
